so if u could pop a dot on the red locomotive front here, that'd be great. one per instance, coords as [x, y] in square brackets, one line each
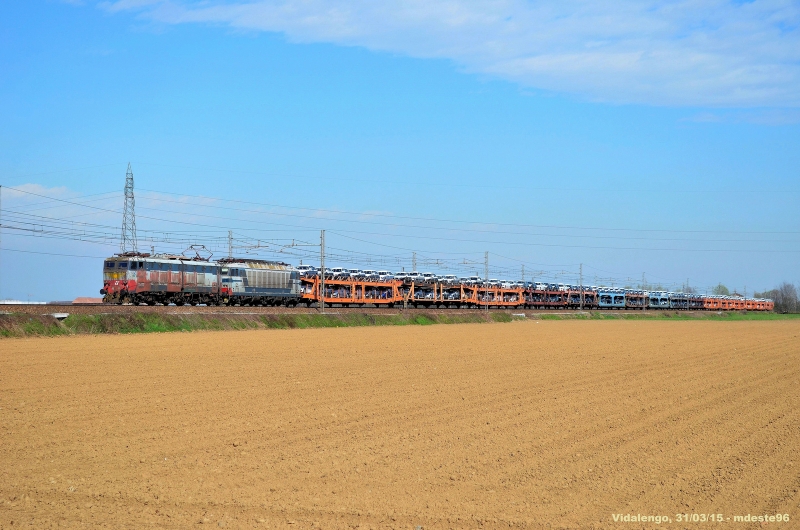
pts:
[161, 279]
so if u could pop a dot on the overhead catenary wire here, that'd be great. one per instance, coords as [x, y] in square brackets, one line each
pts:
[65, 227]
[471, 230]
[448, 239]
[461, 221]
[60, 254]
[383, 234]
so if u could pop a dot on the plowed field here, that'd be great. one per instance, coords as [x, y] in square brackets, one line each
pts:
[555, 424]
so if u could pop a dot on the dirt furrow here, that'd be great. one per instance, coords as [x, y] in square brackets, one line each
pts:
[555, 424]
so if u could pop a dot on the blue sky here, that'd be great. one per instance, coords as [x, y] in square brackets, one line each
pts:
[657, 138]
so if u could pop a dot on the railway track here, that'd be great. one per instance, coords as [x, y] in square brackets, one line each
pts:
[93, 309]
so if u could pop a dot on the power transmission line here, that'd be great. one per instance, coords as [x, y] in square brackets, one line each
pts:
[460, 221]
[31, 225]
[451, 229]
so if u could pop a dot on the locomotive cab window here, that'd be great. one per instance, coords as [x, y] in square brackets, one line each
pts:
[109, 264]
[123, 265]
[133, 265]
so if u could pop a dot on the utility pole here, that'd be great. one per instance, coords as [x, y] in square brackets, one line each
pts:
[414, 262]
[486, 275]
[128, 216]
[322, 271]
[581, 282]
[644, 294]
[230, 244]
[523, 273]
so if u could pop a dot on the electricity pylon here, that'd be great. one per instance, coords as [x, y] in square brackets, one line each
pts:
[128, 242]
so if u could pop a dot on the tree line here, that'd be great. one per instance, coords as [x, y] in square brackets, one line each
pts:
[785, 297]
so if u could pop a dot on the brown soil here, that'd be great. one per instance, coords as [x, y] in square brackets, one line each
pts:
[552, 424]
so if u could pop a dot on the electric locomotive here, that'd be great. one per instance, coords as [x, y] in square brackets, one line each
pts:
[161, 279]
[144, 279]
[259, 282]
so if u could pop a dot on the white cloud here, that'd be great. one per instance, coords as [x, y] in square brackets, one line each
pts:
[693, 53]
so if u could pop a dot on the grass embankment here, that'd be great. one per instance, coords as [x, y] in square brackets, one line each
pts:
[18, 325]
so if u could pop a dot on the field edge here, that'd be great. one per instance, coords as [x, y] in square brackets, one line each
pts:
[22, 325]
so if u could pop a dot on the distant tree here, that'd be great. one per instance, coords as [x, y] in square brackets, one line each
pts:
[784, 296]
[765, 294]
[720, 290]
